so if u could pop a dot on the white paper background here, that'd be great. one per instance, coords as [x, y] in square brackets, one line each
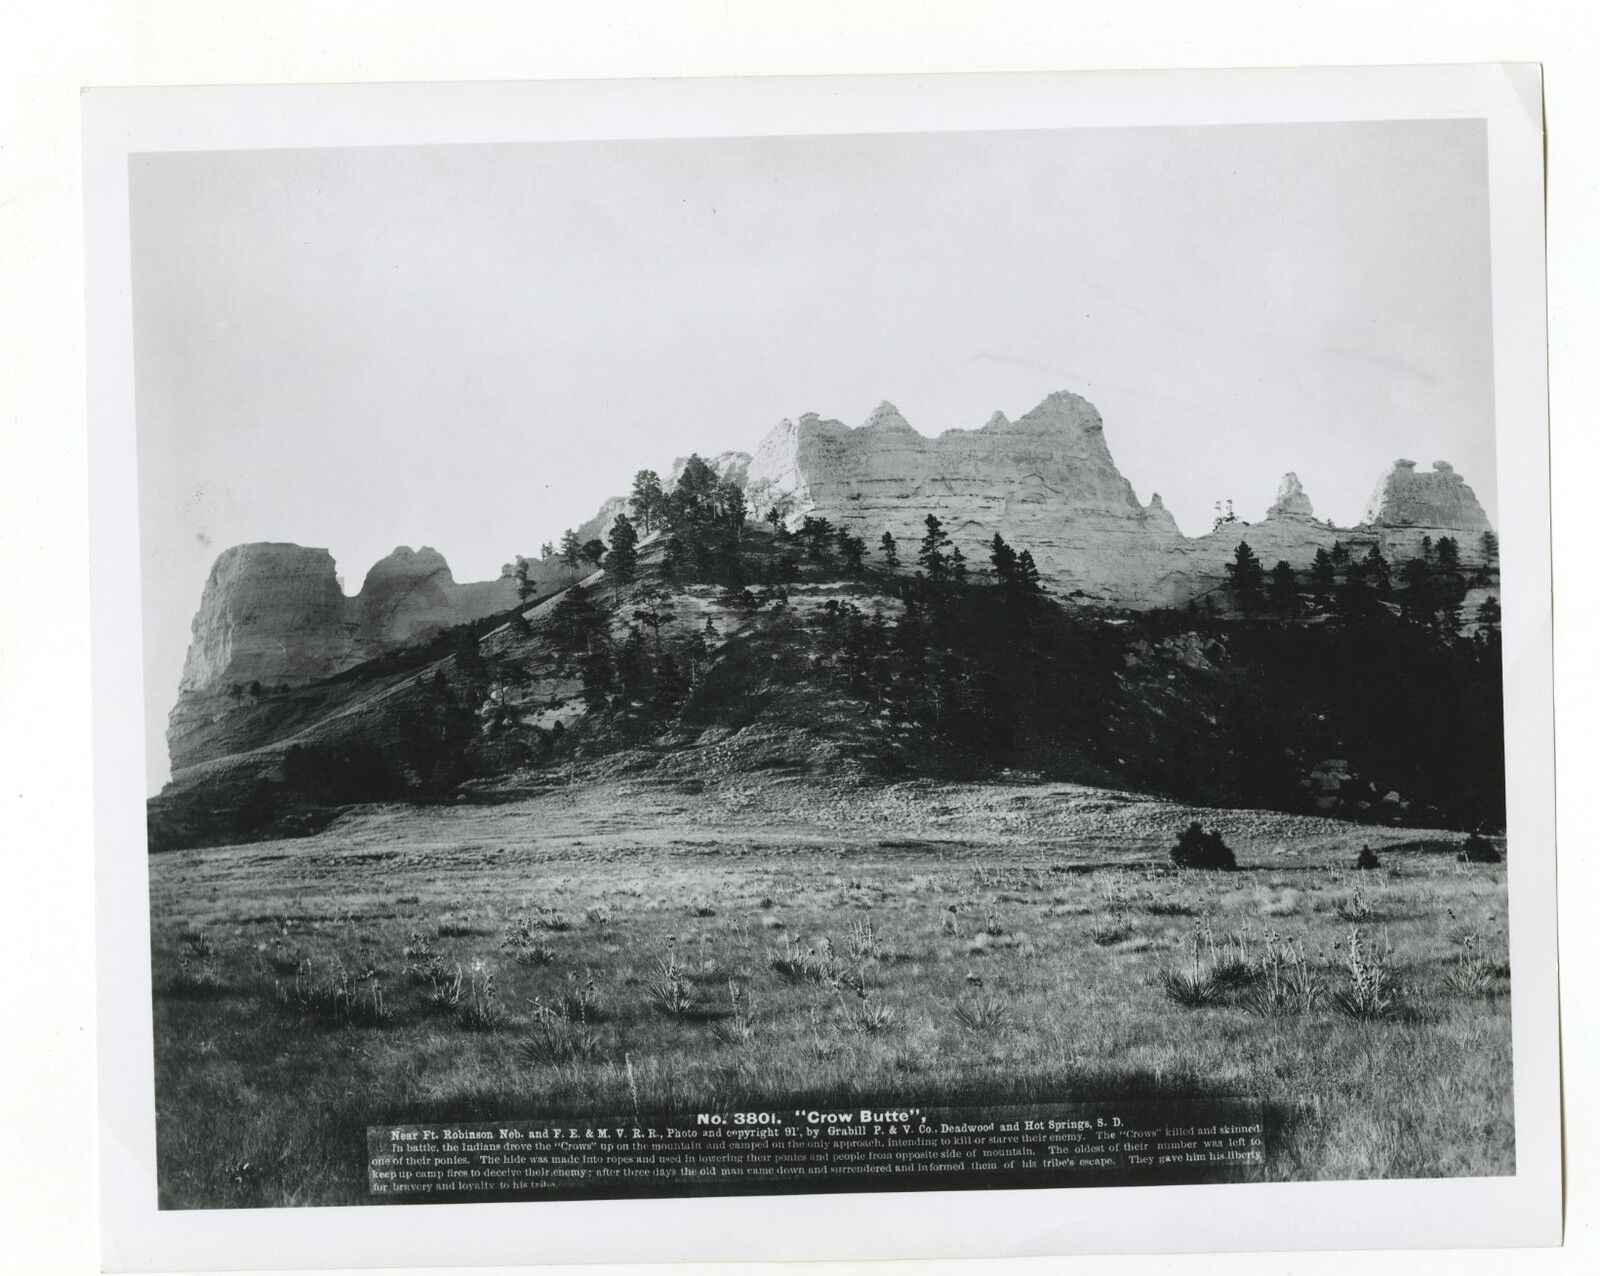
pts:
[47, 1197]
[1520, 1209]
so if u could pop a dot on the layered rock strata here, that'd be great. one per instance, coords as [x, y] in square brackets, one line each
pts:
[273, 615]
[1047, 482]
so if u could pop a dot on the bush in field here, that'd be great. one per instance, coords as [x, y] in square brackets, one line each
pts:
[1367, 859]
[1479, 850]
[1198, 849]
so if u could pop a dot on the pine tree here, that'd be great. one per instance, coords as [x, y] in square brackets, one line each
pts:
[1377, 571]
[958, 566]
[1245, 577]
[1416, 596]
[655, 610]
[1283, 592]
[1028, 575]
[594, 551]
[1322, 577]
[599, 673]
[526, 588]
[1004, 559]
[891, 552]
[648, 501]
[575, 621]
[469, 659]
[670, 684]
[693, 503]
[1448, 553]
[816, 534]
[622, 559]
[633, 663]
[546, 550]
[1489, 544]
[734, 509]
[852, 549]
[571, 548]
[931, 555]
[1013, 582]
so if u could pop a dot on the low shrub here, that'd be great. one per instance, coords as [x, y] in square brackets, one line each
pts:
[1197, 848]
[1479, 850]
[1367, 859]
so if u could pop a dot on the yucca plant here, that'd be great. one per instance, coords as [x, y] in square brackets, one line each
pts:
[1369, 992]
[478, 1004]
[1471, 975]
[1283, 983]
[1196, 986]
[739, 1028]
[669, 987]
[983, 1013]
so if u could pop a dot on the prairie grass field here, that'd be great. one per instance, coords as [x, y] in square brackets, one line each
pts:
[634, 947]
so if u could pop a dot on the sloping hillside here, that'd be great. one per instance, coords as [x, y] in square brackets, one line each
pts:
[732, 650]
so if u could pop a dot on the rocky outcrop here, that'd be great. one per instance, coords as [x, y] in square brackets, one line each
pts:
[411, 593]
[1292, 500]
[273, 615]
[1410, 505]
[269, 613]
[730, 467]
[1045, 481]
[1048, 482]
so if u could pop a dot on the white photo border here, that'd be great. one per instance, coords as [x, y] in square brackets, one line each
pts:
[1517, 1210]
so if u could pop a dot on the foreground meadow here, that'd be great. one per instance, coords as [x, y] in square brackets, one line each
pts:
[633, 948]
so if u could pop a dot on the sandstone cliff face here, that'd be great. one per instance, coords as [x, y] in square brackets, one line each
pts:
[1408, 506]
[274, 614]
[1047, 482]
[411, 593]
[270, 613]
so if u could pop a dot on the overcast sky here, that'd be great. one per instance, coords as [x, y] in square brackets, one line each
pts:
[471, 346]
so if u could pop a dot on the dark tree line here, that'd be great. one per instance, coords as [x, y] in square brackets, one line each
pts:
[1426, 590]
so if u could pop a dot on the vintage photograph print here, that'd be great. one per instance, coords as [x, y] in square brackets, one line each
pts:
[872, 661]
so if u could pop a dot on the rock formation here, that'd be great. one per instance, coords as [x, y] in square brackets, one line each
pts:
[1047, 482]
[1292, 500]
[1409, 506]
[269, 613]
[274, 615]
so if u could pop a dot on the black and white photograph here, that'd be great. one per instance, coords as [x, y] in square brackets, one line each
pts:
[783, 663]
